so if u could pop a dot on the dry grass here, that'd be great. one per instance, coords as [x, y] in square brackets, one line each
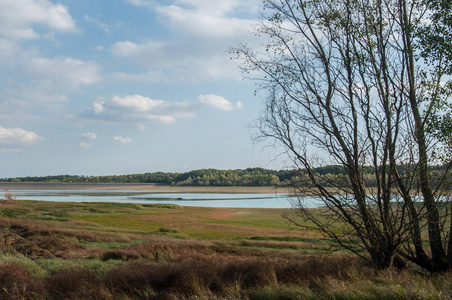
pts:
[213, 278]
[85, 257]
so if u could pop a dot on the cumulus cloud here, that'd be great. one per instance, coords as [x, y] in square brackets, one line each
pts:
[19, 137]
[89, 135]
[219, 102]
[138, 108]
[210, 19]
[85, 137]
[139, 103]
[121, 140]
[201, 32]
[199, 21]
[17, 18]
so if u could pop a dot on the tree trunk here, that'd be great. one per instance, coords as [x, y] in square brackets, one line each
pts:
[439, 259]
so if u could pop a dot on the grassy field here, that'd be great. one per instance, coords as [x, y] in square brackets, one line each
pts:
[54, 250]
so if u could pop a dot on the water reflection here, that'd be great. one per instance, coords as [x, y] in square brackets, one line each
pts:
[239, 200]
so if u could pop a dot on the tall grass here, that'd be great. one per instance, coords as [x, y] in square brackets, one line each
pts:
[338, 278]
[140, 257]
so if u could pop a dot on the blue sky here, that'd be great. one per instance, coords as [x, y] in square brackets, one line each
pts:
[126, 86]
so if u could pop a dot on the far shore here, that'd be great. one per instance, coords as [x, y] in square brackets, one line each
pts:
[139, 187]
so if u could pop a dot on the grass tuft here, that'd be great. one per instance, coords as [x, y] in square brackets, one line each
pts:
[168, 230]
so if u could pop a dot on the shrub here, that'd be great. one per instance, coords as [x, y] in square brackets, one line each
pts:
[16, 283]
[250, 274]
[168, 230]
[120, 254]
[74, 283]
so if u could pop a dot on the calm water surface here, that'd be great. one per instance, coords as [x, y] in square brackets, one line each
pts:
[241, 200]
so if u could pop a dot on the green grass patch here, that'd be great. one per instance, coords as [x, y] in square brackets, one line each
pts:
[36, 271]
[168, 230]
[111, 245]
[264, 218]
[53, 266]
[123, 221]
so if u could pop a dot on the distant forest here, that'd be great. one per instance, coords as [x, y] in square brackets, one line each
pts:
[208, 177]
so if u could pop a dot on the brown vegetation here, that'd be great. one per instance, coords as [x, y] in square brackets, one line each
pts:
[75, 259]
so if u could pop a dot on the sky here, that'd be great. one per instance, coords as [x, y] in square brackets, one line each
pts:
[126, 86]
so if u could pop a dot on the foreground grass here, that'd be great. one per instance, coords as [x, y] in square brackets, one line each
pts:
[132, 251]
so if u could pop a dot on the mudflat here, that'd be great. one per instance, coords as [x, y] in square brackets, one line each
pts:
[139, 186]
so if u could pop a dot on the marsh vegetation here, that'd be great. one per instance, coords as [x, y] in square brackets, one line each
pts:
[54, 250]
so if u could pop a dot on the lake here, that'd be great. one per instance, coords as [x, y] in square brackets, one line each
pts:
[239, 200]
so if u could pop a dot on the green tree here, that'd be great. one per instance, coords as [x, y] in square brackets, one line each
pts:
[435, 47]
[345, 88]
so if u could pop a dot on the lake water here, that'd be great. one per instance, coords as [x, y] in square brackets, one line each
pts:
[239, 200]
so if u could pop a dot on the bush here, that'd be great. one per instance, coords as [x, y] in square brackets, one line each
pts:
[120, 254]
[76, 283]
[168, 230]
[16, 283]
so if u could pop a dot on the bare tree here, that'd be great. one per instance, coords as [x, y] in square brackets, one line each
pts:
[344, 88]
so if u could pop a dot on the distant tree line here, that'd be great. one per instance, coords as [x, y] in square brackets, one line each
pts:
[204, 177]
[213, 177]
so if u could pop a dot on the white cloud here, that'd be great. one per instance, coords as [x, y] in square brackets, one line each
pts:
[18, 136]
[89, 135]
[85, 145]
[162, 119]
[196, 48]
[37, 92]
[137, 108]
[17, 18]
[121, 140]
[213, 24]
[138, 102]
[8, 51]
[177, 61]
[64, 70]
[128, 48]
[49, 81]
[218, 7]
[216, 20]
[143, 3]
[42, 80]
[219, 102]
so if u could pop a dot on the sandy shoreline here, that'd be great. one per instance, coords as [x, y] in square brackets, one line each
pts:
[140, 187]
